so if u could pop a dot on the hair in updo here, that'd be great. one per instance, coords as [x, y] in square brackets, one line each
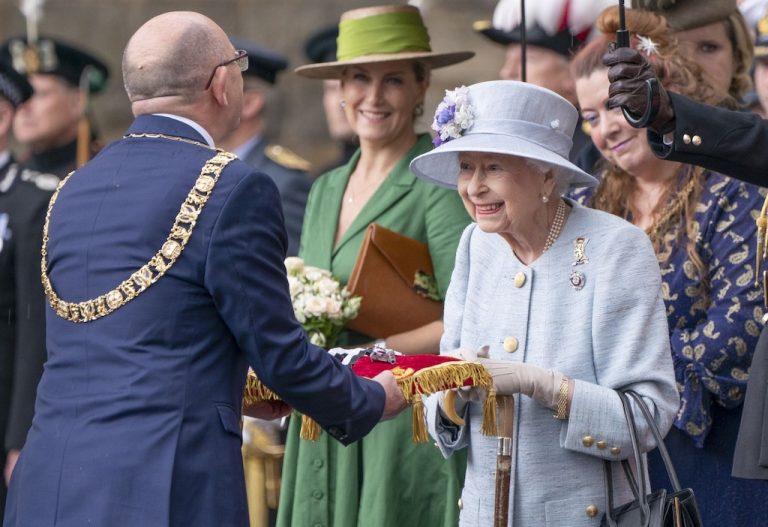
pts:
[675, 72]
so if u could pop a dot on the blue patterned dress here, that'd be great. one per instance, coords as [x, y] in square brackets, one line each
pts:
[714, 327]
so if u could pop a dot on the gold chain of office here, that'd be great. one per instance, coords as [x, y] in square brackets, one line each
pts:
[163, 260]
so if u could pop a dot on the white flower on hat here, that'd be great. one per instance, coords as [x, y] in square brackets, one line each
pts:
[454, 115]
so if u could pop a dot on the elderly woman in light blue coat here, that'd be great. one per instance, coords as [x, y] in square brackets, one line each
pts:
[566, 299]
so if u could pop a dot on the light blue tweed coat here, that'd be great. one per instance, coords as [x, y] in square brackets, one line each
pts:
[611, 333]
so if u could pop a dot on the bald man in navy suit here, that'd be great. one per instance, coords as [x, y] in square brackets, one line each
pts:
[165, 277]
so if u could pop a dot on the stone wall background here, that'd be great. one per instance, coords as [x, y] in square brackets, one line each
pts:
[104, 27]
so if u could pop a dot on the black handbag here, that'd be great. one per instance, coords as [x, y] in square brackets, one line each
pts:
[659, 508]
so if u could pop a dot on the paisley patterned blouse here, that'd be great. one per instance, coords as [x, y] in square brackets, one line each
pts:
[713, 330]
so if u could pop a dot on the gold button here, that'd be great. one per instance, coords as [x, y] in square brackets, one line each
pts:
[510, 344]
[615, 451]
[587, 441]
[461, 504]
[602, 445]
[696, 140]
[686, 139]
[520, 279]
[592, 511]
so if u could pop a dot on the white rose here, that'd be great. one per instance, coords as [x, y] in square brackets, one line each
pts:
[314, 306]
[294, 265]
[314, 274]
[294, 286]
[327, 286]
[333, 308]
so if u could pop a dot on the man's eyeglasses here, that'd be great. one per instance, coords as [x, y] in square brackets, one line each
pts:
[241, 59]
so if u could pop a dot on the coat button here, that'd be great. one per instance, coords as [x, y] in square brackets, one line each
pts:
[686, 139]
[317, 463]
[602, 445]
[587, 441]
[317, 494]
[510, 344]
[615, 451]
[520, 279]
[696, 140]
[592, 511]
[461, 504]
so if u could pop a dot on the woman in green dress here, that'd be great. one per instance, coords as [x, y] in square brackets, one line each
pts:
[385, 479]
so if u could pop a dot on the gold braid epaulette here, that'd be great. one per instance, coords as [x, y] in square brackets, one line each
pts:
[150, 273]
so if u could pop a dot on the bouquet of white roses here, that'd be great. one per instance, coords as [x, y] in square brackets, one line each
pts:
[320, 303]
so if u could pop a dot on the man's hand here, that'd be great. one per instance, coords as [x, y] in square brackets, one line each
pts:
[543, 386]
[267, 410]
[395, 402]
[635, 88]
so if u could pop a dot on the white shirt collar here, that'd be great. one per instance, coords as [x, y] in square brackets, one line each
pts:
[189, 122]
[246, 147]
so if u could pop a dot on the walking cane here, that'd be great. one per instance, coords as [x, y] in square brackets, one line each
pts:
[505, 407]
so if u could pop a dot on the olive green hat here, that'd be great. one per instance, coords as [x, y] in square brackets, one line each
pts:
[381, 34]
[689, 14]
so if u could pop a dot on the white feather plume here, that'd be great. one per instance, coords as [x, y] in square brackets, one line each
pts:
[32, 8]
[33, 12]
[550, 14]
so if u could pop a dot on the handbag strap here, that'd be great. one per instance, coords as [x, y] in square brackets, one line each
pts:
[639, 490]
[659, 440]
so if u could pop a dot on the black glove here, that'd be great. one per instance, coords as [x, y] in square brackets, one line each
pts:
[636, 89]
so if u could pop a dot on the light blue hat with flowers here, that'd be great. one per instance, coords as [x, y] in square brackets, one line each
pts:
[502, 117]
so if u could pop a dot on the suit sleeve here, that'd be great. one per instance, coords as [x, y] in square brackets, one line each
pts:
[448, 436]
[733, 143]
[246, 277]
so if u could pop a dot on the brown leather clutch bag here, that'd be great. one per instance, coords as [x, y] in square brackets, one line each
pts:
[394, 276]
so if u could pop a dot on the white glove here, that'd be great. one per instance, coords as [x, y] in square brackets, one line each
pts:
[468, 354]
[543, 386]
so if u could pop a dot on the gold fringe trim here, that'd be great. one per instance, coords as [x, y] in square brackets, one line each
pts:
[310, 430]
[424, 382]
[489, 428]
[419, 421]
[444, 376]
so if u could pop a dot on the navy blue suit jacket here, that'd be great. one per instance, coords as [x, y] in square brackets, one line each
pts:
[731, 142]
[137, 413]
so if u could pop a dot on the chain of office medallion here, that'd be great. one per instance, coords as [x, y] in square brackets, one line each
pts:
[163, 260]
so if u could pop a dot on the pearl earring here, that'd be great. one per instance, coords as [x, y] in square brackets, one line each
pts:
[544, 198]
[343, 103]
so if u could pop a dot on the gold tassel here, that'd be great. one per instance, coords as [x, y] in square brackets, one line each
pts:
[310, 430]
[762, 226]
[419, 432]
[489, 427]
[256, 392]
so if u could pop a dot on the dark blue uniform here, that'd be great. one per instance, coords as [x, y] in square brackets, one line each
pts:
[137, 413]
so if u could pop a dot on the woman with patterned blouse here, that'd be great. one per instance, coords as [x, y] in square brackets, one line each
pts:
[702, 227]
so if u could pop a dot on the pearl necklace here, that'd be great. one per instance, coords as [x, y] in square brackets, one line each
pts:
[557, 225]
